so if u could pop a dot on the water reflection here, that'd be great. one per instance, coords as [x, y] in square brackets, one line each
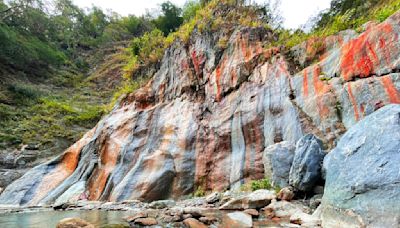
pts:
[49, 219]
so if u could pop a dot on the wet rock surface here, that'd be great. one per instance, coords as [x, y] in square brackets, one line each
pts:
[74, 223]
[183, 214]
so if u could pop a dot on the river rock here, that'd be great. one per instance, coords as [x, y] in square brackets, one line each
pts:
[277, 161]
[146, 221]
[286, 193]
[160, 204]
[194, 223]
[132, 218]
[284, 209]
[305, 220]
[207, 220]
[252, 212]
[74, 223]
[213, 197]
[237, 220]
[306, 168]
[362, 174]
[256, 199]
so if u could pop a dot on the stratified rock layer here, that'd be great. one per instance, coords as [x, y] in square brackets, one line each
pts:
[362, 174]
[207, 115]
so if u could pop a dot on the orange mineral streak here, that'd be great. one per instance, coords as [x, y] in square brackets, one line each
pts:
[195, 61]
[353, 102]
[359, 57]
[168, 133]
[108, 159]
[321, 89]
[305, 83]
[246, 51]
[282, 68]
[218, 72]
[63, 170]
[391, 90]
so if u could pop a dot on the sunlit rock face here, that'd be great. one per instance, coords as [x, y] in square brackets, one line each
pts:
[207, 115]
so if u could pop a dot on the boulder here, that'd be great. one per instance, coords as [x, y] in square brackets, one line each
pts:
[284, 209]
[277, 161]
[161, 204]
[146, 221]
[237, 220]
[194, 223]
[252, 212]
[305, 220]
[306, 168]
[74, 223]
[362, 174]
[208, 220]
[132, 218]
[286, 193]
[256, 199]
[7, 176]
[213, 197]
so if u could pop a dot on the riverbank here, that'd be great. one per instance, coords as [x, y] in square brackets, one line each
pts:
[261, 208]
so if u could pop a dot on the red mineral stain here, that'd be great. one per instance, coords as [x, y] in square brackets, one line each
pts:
[63, 170]
[391, 90]
[359, 57]
[234, 77]
[386, 51]
[195, 62]
[246, 51]
[108, 159]
[305, 83]
[185, 64]
[321, 89]
[353, 102]
[362, 110]
[283, 68]
[218, 73]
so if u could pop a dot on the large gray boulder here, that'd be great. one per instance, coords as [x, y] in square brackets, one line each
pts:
[277, 161]
[363, 174]
[307, 163]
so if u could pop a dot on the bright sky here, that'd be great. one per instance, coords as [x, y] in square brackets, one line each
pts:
[295, 12]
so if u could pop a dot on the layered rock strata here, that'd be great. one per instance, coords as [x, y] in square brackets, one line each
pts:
[206, 116]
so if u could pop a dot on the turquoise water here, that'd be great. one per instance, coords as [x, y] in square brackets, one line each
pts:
[49, 219]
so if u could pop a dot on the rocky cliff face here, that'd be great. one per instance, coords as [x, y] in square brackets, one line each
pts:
[207, 115]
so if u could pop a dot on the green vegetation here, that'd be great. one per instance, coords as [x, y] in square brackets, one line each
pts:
[200, 192]
[190, 10]
[47, 92]
[256, 185]
[201, 15]
[342, 15]
[46, 50]
[259, 184]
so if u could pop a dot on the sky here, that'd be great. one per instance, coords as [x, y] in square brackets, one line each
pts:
[295, 12]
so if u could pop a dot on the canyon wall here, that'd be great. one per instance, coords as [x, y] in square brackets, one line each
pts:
[205, 118]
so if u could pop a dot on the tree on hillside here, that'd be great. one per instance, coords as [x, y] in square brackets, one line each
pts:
[170, 19]
[189, 9]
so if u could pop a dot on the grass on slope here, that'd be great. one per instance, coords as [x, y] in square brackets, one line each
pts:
[336, 23]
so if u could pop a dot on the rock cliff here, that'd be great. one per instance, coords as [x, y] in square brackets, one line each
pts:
[207, 115]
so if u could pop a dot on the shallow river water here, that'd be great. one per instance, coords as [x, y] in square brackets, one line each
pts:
[49, 219]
